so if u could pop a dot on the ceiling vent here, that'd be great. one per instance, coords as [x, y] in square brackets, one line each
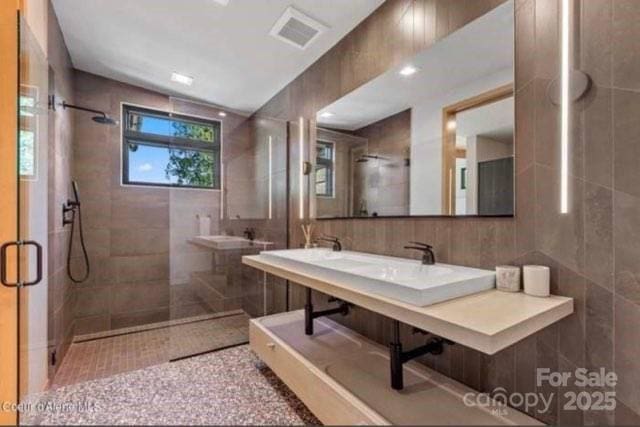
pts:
[297, 29]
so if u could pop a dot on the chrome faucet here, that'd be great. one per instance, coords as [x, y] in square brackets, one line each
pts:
[337, 246]
[428, 257]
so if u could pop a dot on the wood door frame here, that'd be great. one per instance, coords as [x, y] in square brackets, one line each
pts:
[449, 152]
[9, 55]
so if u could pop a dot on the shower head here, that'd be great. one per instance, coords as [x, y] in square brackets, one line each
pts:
[366, 157]
[104, 120]
[101, 117]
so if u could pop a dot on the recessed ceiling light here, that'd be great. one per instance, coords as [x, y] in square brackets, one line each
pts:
[408, 70]
[182, 79]
[327, 114]
[222, 2]
[222, 114]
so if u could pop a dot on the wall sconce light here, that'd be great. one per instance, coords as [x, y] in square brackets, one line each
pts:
[302, 167]
[570, 87]
[270, 148]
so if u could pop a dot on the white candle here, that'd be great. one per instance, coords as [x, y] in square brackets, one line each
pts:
[536, 280]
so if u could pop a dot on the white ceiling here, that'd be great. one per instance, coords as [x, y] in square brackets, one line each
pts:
[226, 49]
[482, 48]
[493, 121]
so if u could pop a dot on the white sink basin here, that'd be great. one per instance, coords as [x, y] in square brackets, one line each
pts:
[228, 242]
[406, 280]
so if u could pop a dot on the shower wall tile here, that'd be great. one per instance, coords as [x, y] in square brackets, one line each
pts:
[92, 324]
[141, 268]
[626, 44]
[134, 297]
[596, 41]
[126, 320]
[139, 241]
[627, 348]
[598, 136]
[598, 235]
[626, 236]
[626, 128]
[525, 59]
[136, 236]
[558, 235]
[598, 327]
[92, 301]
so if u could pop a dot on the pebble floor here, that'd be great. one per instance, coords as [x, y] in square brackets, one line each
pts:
[228, 387]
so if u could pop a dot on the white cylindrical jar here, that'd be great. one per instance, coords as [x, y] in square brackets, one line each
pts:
[508, 278]
[536, 280]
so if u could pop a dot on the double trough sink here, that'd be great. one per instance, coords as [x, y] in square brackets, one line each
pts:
[405, 280]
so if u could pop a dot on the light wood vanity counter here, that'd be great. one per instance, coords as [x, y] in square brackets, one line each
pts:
[488, 321]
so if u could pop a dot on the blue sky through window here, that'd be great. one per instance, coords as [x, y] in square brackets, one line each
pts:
[148, 164]
[192, 163]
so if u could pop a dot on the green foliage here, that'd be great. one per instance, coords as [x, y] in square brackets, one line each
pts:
[193, 131]
[193, 168]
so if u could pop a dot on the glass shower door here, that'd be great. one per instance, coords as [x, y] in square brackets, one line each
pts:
[32, 230]
[213, 295]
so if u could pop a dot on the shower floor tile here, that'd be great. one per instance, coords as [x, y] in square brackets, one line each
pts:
[227, 387]
[104, 357]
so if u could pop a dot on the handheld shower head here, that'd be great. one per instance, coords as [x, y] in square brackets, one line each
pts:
[76, 193]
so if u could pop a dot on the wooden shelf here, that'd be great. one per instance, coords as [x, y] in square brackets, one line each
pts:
[343, 378]
[487, 321]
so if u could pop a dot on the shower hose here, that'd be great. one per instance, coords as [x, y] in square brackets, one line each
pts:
[84, 248]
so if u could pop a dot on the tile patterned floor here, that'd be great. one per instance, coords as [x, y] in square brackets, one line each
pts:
[228, 387]
[104, 357]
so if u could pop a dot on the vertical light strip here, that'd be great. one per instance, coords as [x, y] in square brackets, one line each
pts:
[564, 106]
[301, 147]
[270, 177]
[222, 195]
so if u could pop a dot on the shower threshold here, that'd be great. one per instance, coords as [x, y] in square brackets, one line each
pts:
[156, 325]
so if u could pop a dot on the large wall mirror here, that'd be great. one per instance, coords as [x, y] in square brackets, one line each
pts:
[433, 136]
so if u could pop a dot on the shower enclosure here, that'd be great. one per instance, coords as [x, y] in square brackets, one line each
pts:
[153, 294]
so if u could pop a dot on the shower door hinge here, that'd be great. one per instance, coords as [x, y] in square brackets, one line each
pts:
[52, 102]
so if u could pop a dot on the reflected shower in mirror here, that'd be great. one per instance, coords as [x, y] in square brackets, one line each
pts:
[433, 136]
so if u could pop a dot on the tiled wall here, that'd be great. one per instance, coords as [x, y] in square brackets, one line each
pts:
[386, 186]
[593, 250]
[61, 124]
[136, 236]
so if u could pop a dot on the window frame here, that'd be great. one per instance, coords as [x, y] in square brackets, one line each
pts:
[330, 164]
[151, 140]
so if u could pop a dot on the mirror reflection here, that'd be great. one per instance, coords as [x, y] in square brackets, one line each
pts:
[433, 136]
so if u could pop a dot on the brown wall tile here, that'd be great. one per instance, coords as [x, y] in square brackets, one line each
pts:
[626, 44]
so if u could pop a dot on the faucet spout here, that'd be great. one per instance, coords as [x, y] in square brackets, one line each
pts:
[428, 257]
[337, 246]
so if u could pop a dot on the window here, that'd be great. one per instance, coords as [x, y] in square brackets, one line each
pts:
[325, 157]
[463, 178]
[170, 150]
[28, 131]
